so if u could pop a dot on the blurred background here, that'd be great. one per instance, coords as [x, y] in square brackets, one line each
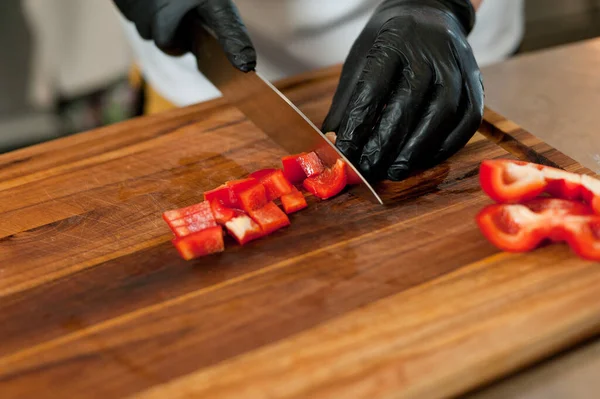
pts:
[66, 66]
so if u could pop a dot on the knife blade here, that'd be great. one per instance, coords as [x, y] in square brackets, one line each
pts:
[265, 106]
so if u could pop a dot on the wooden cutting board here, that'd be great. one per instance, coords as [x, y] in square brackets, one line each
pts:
[354, 300]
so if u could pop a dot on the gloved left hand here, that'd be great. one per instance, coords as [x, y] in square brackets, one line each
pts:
[161, 21]
[410, 94]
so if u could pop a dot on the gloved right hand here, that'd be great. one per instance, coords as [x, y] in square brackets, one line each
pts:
[160, 21]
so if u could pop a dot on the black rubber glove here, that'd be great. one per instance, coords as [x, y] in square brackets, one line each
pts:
[410, 94]
[160, 20]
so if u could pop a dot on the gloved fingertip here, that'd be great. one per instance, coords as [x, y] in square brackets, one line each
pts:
[367, 170]
[245, 60]
[398, 171]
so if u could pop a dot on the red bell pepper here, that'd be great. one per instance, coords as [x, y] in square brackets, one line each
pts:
[329, 183]
[270, 218]
[222, 194]
[206, 242]
[294, 201]
[253, 197]
[191, 219]
[244, 229]
[221, 212]
[187, 211]
[237, 186]
[292, 170]
[508, 181]
[276, 184]
[228, 193]
[259, 174]
[311, 164]
[524, 227]
[353, 177]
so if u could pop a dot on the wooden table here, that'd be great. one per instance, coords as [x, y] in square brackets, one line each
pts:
[354, 300]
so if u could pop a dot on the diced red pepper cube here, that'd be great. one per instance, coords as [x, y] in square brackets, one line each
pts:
[259, 174]
[191, 219]
[294, 201]
[276, 185]
[221, 212]
[244, 229]
[189, 225]
[329, 183]
[254, 197]
[311, 164]
[187, 211]
[222, 194]
[270, 218]
[237, 186]
[352, 177]
[202, 243]
[292, 170]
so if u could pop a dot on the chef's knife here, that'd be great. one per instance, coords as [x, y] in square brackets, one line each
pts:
[265, 106]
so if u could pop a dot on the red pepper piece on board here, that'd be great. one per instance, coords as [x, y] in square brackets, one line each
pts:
[329, 183]
[259, 174]
[221, 212]
[524, 227]
[276, 185]
[244, 229]
[294, 201]
[222, 194]
[509, 181]
[353, 177]
[311, 164]
[270, 218]
[202, 243]
[253, 197]
[187, 211]
[190, 219]
[292, 170]
[237, 186]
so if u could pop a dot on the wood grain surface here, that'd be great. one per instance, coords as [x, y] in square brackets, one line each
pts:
[354, 300]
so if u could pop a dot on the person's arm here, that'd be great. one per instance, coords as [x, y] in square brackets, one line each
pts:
[476, 4]
[160, 21]
[410, 94]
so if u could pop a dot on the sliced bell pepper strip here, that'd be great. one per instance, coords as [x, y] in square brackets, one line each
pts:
[509, 181]
[270, 218]
[221, 212]
[253, 197]
[259, 174]
[524, 227]
[222, 194]
[276, 185]
[202, 243]
[311, 164]
[244, 229]
[292, 170]
[294, 201]
[329, 183]
[192, 219]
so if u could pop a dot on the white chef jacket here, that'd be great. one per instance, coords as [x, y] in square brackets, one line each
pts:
[293, 36]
